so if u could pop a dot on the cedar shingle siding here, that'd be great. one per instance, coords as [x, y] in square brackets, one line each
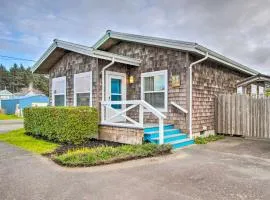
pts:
[209, 79]
[155, 59]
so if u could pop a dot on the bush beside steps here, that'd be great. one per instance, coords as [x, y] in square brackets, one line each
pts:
[72, 125]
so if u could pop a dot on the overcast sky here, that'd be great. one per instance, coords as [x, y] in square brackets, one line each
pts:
[237, 29]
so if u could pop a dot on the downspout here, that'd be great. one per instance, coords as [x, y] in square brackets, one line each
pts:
[103, 87]
[190, 92]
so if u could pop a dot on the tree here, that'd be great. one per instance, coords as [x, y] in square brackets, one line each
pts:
[18, 77]
[267, 92]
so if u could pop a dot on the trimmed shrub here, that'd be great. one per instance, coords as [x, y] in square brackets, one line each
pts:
[62, 124]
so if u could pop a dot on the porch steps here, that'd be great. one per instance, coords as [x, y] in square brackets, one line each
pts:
[171, 136]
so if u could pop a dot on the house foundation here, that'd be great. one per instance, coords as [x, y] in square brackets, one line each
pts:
[121, 134]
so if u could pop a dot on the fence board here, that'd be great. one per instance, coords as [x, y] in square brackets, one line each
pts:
[243, 115]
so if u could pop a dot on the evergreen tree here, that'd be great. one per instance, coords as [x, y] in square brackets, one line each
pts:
[18, 77]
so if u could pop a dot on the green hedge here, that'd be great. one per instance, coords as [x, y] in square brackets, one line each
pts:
[62, 124]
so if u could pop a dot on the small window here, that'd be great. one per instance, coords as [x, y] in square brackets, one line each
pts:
[254, 90]
[83, 89]
[261, 91]
[240, 90]
[155, 89]
[59, 91]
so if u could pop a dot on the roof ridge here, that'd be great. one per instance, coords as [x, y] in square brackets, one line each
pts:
[175, 44]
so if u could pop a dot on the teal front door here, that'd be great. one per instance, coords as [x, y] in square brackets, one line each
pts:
[116, 91]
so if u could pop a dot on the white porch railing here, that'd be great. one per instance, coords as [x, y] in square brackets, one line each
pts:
[127, 121]
[179, 107]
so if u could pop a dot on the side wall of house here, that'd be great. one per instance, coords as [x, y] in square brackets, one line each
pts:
[156, 59]
[73, 63]
[210, 79]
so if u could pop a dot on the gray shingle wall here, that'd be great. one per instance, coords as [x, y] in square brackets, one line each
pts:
[210, 79]
[155, 59]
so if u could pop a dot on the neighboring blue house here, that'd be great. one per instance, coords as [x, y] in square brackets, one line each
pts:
[5, 94]
[9, 105]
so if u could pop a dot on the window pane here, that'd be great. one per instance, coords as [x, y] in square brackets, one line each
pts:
[59, 100]
[59, 86]
[116, 98]
[154, 83]
[83, 99]
[149, 83]
[157, 100]
[116, 86]
[159, 83]
[83, 82]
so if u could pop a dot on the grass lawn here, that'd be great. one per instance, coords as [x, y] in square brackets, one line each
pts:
[106, 154]
[210, 138]
[19, 139]
[8, 117]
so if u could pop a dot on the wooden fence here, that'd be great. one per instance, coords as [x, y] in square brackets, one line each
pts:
[243, 115]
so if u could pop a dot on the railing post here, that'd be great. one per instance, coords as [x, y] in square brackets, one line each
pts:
[141, 110]
[161, 131]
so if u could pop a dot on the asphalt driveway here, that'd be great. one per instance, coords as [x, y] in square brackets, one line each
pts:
[233, 168]
[8, 125]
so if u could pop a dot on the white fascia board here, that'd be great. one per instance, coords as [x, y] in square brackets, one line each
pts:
[97, 53]
[117, 58]
[185, 46]
[44, 57]
[85, 51]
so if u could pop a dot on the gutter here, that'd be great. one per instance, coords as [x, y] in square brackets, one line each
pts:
[190, 93]
[103, 87]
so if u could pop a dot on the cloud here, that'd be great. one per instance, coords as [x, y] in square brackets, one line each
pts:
[239, 29]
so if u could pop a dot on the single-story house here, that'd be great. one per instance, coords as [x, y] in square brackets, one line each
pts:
[254, 85]
[29, 92]
[158, 89]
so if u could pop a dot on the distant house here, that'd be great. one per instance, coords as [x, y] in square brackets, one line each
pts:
[28, 92]
[254, 85]
[17, 104]
[5, 94]
[144, 87]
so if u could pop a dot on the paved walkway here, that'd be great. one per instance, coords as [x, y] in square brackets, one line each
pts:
[8, 125]
[229, 169]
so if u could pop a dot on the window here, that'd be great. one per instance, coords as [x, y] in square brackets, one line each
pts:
[240, 90]
[83, 89]
[253, 90]
[59, 91]
[261, 91]
[155, 89]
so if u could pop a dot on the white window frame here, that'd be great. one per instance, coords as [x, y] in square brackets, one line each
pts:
[156, 73]
[65, 90]
[90, 88]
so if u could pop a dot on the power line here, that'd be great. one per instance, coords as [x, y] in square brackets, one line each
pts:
[15, 58]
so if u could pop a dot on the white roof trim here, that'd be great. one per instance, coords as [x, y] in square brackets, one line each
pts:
[175, 44]
[85, 51]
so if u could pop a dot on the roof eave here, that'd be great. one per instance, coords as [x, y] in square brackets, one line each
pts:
[188, 46]
[85, 51]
